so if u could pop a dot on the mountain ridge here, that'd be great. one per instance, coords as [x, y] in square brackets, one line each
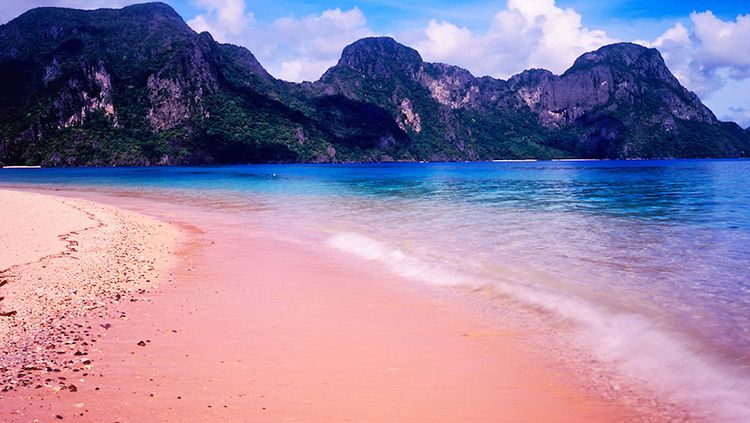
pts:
[137, 86]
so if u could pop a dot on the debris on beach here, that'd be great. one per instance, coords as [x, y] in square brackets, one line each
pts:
[47, 329]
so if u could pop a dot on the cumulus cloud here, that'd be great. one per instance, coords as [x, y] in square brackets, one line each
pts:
[708, 53]
[224, 19]
[525, 34]
[678, 48]
[722, 44]
[291, 48]
[704, 52]
[314, 43]
[711, 56]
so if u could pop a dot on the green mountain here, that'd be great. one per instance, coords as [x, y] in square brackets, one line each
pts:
[137, 86]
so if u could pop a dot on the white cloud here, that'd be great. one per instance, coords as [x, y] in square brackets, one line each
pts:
[678, 48]
[712, 57]
[313, 44]
[224, 19]
[325, 34]
[730, 102]
[527, 33]
[703, 53]
[302, 69]
[708, 55]
[723, 44]
[290, 48]
[740, 115]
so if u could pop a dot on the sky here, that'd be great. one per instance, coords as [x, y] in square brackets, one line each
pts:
[706, 44]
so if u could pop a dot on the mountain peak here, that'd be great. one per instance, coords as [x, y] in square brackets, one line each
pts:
[374, 53]
[619, 54]
[144, 10]
[531, 77]
[152, 9]
[138, 86]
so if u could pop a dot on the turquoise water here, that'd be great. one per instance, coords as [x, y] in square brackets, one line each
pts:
[647, 259]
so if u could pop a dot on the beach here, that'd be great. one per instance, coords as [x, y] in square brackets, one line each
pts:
[234, 211]
[67, 267]
[178, 316]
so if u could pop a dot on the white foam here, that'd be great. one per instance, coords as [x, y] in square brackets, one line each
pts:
[396, 261]
[633, 344]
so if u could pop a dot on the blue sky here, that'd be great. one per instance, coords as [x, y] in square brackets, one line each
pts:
[623, 18]
[706, 44]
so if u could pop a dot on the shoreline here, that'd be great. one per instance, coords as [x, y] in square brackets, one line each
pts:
[341, 343]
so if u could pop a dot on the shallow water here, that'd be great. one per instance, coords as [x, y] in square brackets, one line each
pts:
[647, 259]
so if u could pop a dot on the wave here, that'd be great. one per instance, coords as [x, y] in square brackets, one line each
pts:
[636, 346]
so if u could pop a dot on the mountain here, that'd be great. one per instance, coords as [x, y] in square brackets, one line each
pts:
[137, 86]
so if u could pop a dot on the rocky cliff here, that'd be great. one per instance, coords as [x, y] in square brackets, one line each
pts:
[136, 86]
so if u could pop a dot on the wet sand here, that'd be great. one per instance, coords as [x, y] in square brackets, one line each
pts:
[254, 327]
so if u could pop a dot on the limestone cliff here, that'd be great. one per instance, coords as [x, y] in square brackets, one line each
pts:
[137, 86]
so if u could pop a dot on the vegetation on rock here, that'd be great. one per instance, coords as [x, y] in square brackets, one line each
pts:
[136, 86]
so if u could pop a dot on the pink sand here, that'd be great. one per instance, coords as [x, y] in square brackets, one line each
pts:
[256, 328]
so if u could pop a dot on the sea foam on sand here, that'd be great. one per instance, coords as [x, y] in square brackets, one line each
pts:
[634, 345]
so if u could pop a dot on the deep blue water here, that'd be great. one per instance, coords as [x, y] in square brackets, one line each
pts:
[713, 193]
[648, 258]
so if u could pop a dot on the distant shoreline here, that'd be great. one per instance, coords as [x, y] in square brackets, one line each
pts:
[675, 159]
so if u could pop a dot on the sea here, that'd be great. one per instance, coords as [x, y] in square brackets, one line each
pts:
[647, 261]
